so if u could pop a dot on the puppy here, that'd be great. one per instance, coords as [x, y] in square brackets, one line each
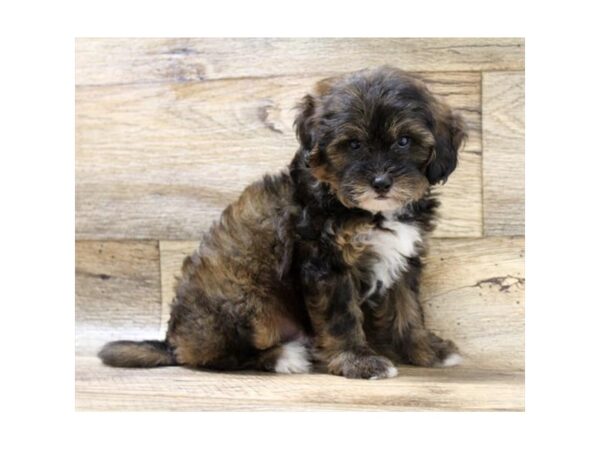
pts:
[321, 263]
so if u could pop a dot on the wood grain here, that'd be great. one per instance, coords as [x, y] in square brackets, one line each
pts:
[176, 388]
[128, 61]
[473, 293]
[117, 292]
[504, 153]
[162, 161]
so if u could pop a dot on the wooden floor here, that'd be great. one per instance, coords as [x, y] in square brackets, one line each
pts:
[168, 131]
[171, 388]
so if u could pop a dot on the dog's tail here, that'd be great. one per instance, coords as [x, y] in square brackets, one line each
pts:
[137, 354]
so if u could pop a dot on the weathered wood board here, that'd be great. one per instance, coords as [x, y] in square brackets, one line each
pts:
[117, 292]
[129, 61]
[503, 100]
[473, 291]
[162, 161]
[180, 389]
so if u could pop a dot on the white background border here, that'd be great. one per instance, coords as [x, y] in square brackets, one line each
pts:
[37, 176]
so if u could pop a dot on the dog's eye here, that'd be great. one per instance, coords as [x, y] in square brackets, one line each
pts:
[404, 142]
[354, 144]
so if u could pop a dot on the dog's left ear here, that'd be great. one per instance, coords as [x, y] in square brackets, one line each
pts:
[450, 133]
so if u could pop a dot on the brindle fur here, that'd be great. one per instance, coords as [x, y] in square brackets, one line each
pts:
[286, 262]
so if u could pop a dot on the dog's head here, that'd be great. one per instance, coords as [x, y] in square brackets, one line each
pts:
[378, 137]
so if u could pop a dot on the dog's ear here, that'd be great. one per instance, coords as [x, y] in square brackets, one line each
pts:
[450, 134]
[304, 122]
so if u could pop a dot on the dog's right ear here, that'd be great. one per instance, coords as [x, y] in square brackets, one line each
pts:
[304, 122]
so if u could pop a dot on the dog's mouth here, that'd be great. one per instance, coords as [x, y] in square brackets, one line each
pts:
[379, 203]
[367, 198]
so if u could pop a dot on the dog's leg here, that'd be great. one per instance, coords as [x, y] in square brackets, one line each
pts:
[332, 304]
[399, 320]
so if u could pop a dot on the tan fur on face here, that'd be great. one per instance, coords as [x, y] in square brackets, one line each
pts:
[402, 193]
[331, 160]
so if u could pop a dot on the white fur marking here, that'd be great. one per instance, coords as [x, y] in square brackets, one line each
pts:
[453, 359]
[393, 246]
[293, 359]
[390, 373]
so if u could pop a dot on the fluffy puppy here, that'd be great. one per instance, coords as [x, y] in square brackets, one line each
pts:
[321, 262]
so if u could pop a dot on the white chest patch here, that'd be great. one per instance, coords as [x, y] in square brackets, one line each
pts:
[392, 245]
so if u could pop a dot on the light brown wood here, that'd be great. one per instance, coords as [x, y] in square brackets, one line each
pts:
[120, 61]
[162, 161]
[504, 153]
[180, 389]
[117, 292]
[472, 291]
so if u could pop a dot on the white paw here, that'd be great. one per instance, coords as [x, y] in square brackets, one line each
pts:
[390, 373]
[293, 359]
[454, 359]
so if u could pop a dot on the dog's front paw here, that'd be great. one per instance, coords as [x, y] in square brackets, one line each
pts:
[430, 350]
[372, 367]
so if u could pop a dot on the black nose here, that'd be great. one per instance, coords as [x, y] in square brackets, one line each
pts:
[382, 183]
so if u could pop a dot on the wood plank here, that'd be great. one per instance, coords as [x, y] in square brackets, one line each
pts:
[503, 100]
[174, 388]
[473, 293]
[162, 161]
[111, 61]
[117, 292]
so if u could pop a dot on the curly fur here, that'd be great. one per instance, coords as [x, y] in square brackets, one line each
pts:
[319, 261]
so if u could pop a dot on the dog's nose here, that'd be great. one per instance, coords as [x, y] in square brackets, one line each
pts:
[382, 183]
